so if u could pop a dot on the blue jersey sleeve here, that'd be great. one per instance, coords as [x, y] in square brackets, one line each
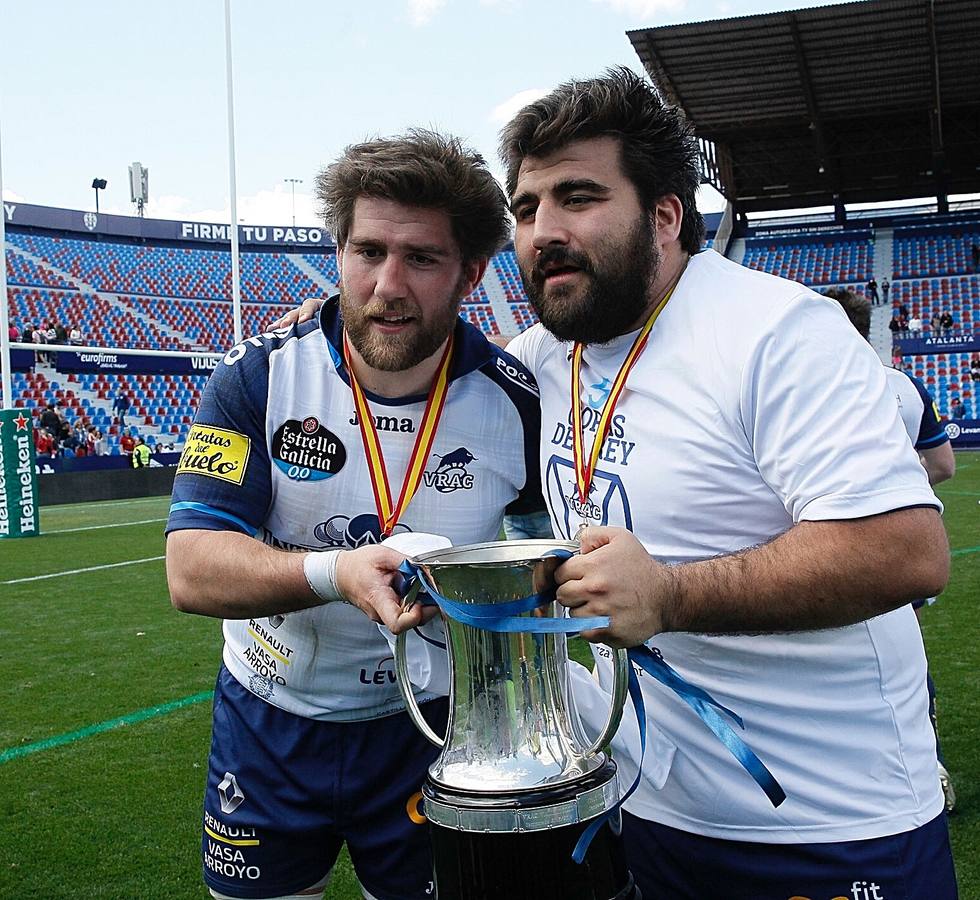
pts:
[223, 480]
[519, 385]
[931, 430]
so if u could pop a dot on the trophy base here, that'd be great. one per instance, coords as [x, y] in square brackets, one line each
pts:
[533, 865]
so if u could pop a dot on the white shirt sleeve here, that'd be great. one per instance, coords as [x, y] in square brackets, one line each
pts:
[825, 430]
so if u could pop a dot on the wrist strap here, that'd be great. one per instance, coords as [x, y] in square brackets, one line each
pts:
[320, 569]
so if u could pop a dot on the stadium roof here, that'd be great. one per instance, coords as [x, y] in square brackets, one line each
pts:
[858, 102]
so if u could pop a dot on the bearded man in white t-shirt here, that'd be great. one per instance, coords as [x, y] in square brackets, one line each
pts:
[756, 515]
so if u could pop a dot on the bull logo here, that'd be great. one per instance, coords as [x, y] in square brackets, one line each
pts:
[451, 475]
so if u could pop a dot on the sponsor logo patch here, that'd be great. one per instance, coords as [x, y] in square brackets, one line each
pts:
[306, 451]
[352, 532]
[215, 452]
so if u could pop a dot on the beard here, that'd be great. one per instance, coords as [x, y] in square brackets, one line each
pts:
[616, 294]
[402, 351]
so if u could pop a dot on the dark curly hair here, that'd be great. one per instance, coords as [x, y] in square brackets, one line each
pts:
[658, 148]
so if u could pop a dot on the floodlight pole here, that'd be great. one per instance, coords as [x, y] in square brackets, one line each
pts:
[292, 182]
[5, 378]
[96, 200]
[236, 292]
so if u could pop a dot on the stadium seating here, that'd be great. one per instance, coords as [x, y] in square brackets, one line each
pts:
[823, 261]
[947, 376]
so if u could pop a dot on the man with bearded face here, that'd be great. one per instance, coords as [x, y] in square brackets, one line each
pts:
[299, 463]
[749, 507]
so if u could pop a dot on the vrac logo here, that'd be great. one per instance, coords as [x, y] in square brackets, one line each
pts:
[451, 475]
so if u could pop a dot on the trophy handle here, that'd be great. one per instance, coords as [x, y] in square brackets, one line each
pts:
[405, 686]
[620, 687]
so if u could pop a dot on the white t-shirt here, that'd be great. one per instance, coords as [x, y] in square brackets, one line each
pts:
[755, 406]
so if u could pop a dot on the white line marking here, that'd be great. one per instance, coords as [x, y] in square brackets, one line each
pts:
[159, 499]
[94, 527]
[131, 562]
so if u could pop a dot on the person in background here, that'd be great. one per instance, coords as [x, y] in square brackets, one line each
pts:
[924, 426]
[957, 410]
[946, 322]
[872, 288]
[127, 442]
[885, 288]
[141, 454]
[120, 407]
[75, 335]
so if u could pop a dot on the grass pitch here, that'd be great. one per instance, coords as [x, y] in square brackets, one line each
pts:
[105, 720]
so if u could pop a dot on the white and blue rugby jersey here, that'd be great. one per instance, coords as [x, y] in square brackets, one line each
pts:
[918, 410]
[276, 453]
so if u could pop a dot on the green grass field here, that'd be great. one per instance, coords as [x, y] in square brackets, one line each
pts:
[105, 719]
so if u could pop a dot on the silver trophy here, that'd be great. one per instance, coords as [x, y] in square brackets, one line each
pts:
[516, 763]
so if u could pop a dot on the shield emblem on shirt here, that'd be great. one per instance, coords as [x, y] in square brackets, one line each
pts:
[607, 503]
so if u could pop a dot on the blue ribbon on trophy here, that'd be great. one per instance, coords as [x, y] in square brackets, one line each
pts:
[507, 618]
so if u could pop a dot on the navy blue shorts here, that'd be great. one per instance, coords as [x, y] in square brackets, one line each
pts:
[667, 863]
[285, 792]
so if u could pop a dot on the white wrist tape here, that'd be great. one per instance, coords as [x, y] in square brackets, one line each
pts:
[320, 569]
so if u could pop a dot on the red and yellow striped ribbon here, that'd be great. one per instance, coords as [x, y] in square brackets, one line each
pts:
[584, 470]
[389, 514]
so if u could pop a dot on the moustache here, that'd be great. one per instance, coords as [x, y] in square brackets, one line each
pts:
[559, 256]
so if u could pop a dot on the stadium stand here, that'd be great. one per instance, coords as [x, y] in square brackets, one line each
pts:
[175, 296]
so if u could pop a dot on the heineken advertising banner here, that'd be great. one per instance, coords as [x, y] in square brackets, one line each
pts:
[18, 483]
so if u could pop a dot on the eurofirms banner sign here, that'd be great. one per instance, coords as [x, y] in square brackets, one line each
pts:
[18, 484]
[73, 362]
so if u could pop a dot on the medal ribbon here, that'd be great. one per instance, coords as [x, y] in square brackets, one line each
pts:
[389, 514]
[583, 470]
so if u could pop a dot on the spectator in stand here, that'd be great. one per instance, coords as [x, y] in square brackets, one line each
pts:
[915, 326]
[120, 407]
[80, 438]
[956, 409]
[141, 454]
[13, 333]
[75, 336]
[37, 337]
[894, 327]
[91, 437]
[903, 325]
[975, 371]
[873, 291]
[64, 429]
[127, 442]
[946, 322]
[101, 444]
[51, 422]
[885, 288]
[43, 443]
[60, 335]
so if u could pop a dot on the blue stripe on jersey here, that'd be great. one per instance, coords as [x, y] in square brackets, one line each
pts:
[217, 513]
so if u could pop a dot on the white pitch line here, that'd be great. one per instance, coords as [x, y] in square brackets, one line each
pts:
[94, 527]
[108, 503]
[131, 562]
